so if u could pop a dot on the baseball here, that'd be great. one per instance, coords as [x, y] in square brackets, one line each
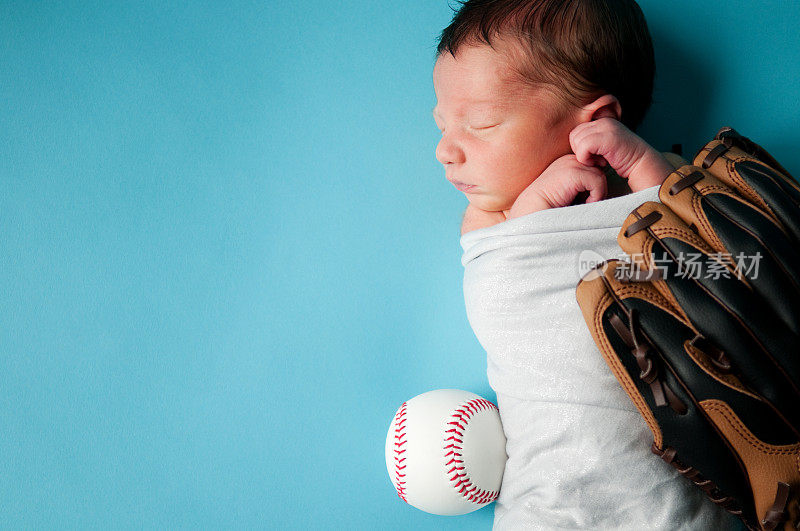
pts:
[446, 451]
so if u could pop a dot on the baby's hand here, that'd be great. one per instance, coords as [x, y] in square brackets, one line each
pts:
[558, 185]
[607, 140]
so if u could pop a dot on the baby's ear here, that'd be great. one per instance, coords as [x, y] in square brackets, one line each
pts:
[606, 106]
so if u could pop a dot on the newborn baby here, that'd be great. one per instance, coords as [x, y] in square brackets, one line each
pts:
[534, 99]
[514, 149]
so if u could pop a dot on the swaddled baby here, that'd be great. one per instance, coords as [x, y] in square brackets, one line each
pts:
[534, 99]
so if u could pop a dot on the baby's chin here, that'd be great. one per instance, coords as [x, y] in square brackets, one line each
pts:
[490, 203]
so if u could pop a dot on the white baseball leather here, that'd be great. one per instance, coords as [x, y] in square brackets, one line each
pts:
[445, 452]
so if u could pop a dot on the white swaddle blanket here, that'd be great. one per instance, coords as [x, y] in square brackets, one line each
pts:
[578, 451]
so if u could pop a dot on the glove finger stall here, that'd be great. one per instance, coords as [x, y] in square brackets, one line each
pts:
[772, 189]
[762, 254]
[734, 324]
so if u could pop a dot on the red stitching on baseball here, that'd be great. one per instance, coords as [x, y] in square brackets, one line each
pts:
[460, 479]
[399, 435]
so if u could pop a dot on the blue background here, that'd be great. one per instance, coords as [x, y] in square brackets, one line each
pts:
[228, 253]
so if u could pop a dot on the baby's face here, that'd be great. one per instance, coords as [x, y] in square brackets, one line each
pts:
[498, 134]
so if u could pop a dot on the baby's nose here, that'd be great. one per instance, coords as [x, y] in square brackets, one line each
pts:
[447, 152]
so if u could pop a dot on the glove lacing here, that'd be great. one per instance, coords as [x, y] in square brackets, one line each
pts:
[641, 351]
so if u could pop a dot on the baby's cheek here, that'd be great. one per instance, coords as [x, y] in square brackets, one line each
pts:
[506, 176]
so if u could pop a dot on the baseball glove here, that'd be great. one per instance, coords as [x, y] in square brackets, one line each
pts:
[701, 326]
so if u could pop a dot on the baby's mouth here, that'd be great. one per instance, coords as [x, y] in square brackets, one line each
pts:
[462, 186]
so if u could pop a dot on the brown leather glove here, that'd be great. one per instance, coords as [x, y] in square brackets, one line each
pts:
[702, 326]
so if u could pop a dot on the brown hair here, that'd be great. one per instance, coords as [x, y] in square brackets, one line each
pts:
[580, 49]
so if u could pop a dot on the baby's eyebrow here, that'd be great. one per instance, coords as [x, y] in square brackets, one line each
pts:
[487, 103]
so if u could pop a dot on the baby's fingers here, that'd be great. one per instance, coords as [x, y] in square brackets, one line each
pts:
[593, 181]
[590, 146]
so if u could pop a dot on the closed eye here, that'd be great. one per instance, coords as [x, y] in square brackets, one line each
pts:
[483, 127]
